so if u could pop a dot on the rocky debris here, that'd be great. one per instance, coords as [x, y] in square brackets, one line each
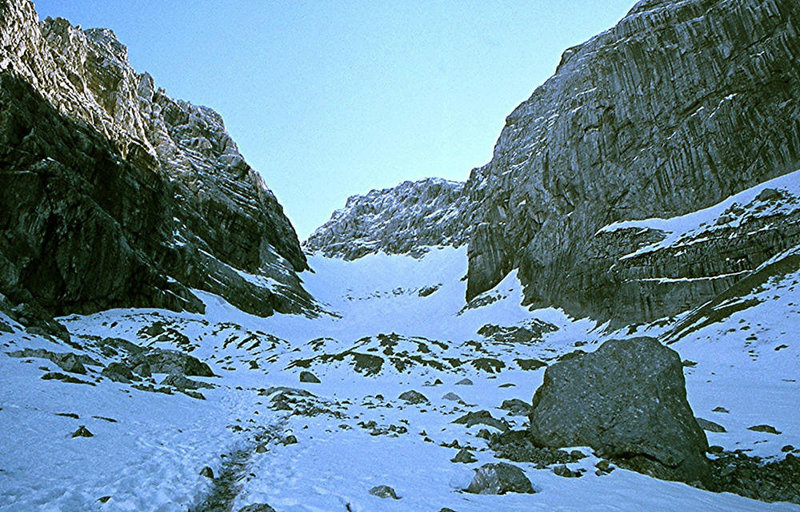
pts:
[627, 400]
[207, 472]
[306, 376]
[530, 364]
[65, 378]
[530, 332]
[563, 471]
[580, 154]
[412, 397]
[82, 432]
[426, 291]
[754, 478]
[35, 319]
[516, 407]
[406, 219]
[174, 198]
[488, 364]
[769, 429]
[384, 491]
[183, 383]
[119, 372]
[152, 389]
[67, 361]
[482, 417]
[516, 445]
[604, 467]
[257, 507]
[710, 426]
[499, 478]
[159, 360]
[288, 440]
[464, 456]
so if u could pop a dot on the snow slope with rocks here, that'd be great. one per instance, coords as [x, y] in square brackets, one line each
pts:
[386, 333]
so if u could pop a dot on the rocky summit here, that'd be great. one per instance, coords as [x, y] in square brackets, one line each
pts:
[115, 194]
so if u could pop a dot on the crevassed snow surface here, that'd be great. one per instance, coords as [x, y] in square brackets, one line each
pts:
[151, 457]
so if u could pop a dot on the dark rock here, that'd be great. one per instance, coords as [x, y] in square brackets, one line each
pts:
[67, 361]
[482, 417]
[464, 382]
[309, 377]
[464, 456]
[68, 415]
[563, 471]
[516, 407]
[413, 397]
[182, 383]
[257, 507]
[769, 429]
[499, 478]
[710, 426]
[384, 491]
[118, 372]
[720, 409]
[290, 439]
[530, 364]
[627, 400]
[82, 432]
[451, 396]
[160, 360]
[516, 445]
[751, 477]
[64, 378]
[207, 472]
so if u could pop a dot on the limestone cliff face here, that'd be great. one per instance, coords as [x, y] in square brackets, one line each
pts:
[680, 105]
[211, 222]
[406, 219]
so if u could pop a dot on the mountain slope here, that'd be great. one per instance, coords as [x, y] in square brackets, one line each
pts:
[219, 227]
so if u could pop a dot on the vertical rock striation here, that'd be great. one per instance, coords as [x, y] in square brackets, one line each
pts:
[167, 182]
[680, 105]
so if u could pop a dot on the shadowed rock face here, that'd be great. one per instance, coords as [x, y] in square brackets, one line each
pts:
[148, 197]
[628, 401]
[677, 107]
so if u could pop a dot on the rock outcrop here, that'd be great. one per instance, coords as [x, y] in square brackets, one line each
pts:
[406, 219]
[628, 401]
[114, 194]
[677, 107]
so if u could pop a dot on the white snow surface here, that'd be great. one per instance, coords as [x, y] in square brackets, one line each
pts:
[151, 457]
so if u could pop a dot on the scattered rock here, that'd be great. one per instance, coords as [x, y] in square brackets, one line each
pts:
[64, 378]
[563, 471]
[290, 439]
[710, 426]
[257, 507]
[749, 476]
[182, 383]
[628, 401]
[384, 491]
[482, 417]
[82, 432]
[413, 397]
[464, 456]
[306, 376]
[769, 429]
[604, 467]
[118, 372]
[516, 407]
[499, 478]
[530, 364]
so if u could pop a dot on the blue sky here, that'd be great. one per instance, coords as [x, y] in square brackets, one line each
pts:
[329, 99]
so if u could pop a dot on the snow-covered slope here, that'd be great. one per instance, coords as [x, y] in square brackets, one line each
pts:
[397, 323]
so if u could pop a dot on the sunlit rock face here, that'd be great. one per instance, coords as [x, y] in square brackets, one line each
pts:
[152, 196]
[677, 107]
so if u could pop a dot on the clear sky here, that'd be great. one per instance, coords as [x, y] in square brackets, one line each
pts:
[328, 99]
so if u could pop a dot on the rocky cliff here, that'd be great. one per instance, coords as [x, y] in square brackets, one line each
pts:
[677, 107]
[407, 218]
[115, 194]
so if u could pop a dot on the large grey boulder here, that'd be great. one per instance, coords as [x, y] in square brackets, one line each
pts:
[628, 401]
[172, 362]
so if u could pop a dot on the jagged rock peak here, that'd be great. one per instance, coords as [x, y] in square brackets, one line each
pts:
[406, 219]
[226, 232]
[680, 105]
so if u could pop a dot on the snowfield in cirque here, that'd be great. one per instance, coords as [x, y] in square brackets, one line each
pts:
[394, 324]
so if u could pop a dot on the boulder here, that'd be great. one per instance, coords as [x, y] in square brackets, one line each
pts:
[413, 397]
[118, 372]
[161, 360]
[306, 376]
[384, 491]
[500, 478]
[628, 401]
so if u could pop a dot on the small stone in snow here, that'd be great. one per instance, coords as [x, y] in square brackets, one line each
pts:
[82, 432]
[383, 491]
[207, 472]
